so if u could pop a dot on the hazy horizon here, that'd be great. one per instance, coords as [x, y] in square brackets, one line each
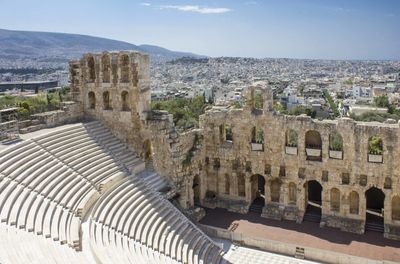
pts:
[312, 29]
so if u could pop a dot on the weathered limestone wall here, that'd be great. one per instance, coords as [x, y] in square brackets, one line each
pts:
[237, 158]
[210, 170]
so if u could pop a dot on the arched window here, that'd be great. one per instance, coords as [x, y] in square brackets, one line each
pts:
[291, 138]
[313, 140]
[257, 135]
[396, 208]
[92, 100]
[106, 67]
[275, 190]
[335, 142]
[106, 101]
[292, 192]
[354, 202]
[375, 145]
[91, 69]
[124, 66]
[335, 200]
[241, 185]
[125, 101]
[227, 183]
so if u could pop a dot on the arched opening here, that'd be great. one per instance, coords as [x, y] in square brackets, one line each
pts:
[313, 144]
[241, 185]
[257, 193]
[258, 100]
[335, 146]
[257, 139]
[124, 66]
[375, 209]
[335, 200]
[291, 138]
[196, 189]
[227, 184]
[92, 100]
[354, 202]
[125, 101]
[106, 68]
[292, 193]
[106, 101]
[147, 150]
[91, 69]
[313, 199]
[375, 149]
[396, 208]
[275, 187]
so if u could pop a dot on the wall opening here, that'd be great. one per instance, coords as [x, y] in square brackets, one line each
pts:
[92, 100]
[124, 66]
[313, 144]
[106, 66]
[241, 185]
[354, 202]
[106, 101]
[292, 193]
[396, 208]
[227, 184]
[335, 200]
[91, 69]
[125, 101]
[375, 206]
[275, 186]
[196, 189]
[313, 201]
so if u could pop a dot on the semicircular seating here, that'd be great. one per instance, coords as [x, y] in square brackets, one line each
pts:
[51, 184]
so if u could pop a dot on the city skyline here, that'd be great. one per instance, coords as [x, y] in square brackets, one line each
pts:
[360, 30]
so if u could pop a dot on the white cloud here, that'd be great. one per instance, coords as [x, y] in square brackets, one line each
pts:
[197, 9]
[145, 4]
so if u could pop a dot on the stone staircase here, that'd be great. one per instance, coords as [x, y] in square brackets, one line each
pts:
[313, 214]
[257, 205]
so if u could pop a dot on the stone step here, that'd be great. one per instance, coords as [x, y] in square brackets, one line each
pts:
[374, 227]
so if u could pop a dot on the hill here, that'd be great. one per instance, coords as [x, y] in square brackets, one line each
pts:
[32, 44]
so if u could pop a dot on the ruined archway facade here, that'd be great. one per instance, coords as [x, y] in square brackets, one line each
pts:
[287, 151]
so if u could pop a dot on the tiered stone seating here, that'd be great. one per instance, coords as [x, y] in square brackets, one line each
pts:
[133, 217]
[50, 183]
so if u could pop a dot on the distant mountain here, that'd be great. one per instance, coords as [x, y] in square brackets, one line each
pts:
[21, 44]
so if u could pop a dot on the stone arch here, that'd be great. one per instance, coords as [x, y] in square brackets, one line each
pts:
[257, 135]
[91, 69]
[292, 192]
[375, 205]
[241, 185]
[354, 200]
[291, 138]
[388, 183]
[106, 68]
[124, 66]
[313, 140]
[375, 145]
[106, 101]
[196, 189]
[125, 101]
[275, 187]
[335, 199]
[92, 100]
[335, 141]
[227, 184]
[396, 208]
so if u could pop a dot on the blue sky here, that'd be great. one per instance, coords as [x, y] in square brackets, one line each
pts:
[327, 29]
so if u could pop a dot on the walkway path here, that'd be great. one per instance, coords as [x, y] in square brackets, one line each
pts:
[369, 245]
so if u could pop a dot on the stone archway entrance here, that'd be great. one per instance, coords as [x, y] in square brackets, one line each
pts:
[374, 212]
[196, 190]
[257, 193]
[313, 201]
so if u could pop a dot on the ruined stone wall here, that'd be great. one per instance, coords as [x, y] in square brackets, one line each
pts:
[352, 172]
[114, 88]
[208, 167]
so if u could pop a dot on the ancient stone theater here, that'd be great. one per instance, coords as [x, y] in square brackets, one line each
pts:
[115, 181]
